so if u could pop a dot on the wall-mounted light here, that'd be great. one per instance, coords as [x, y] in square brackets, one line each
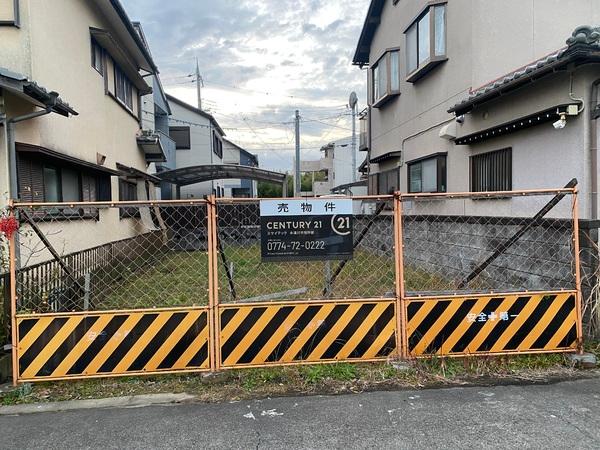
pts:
[560, 123]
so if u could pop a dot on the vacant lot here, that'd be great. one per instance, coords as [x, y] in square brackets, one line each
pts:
[181, 279]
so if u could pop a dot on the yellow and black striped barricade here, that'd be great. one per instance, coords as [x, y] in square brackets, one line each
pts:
[306, 331]
[74, 345]
[492, 324]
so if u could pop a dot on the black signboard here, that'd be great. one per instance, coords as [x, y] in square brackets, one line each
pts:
[304, 230]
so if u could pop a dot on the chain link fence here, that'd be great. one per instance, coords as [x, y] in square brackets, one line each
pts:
[97, 257]
[149, 255]
[242, 276]
[488, 243]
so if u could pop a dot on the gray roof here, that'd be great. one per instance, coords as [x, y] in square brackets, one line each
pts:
[582, 47]
[244, 151]
[197, 174]
[363, 48]
[22, 86]
[197, 111]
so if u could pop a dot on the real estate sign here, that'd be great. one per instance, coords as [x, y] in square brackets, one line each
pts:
[308, 229]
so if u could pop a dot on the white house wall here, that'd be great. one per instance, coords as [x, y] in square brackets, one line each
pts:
[201, 149]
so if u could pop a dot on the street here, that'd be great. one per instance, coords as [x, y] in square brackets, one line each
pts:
[563, 415]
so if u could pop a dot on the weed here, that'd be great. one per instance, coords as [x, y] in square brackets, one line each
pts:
[338, 372]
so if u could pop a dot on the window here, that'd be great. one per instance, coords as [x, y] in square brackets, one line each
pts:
[52, 185]
[181, 136]
[384, 183]
[386, 77]
[426, 41]
[9, 13]
[97, 60]
[492, 171]
[427, 174]
[123, 88]
[47, 180]
[217, 145]
[128, 193]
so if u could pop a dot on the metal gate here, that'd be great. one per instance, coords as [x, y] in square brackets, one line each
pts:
[130, 288]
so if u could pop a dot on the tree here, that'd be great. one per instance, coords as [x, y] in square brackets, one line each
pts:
[271, 190]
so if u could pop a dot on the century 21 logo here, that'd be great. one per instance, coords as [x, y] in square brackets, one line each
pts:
[341, 225]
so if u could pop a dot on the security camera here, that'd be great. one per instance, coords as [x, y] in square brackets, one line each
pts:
[560, 123]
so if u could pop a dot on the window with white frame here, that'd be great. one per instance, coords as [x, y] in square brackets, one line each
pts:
[386, 77]
[426, 41]
[427, 174]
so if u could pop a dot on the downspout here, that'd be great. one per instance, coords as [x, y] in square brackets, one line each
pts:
[594, 148]
[419, 133]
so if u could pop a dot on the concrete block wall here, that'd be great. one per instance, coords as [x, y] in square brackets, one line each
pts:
[440, 251]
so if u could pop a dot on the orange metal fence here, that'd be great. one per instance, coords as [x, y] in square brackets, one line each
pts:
[183, 288]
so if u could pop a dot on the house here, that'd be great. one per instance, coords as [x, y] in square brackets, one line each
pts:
[236, 155]
[335, 165]
[463, 96]
[159, 147]
[199, 142]
[72, 78]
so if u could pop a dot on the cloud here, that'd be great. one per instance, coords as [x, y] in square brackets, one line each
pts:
[261, 60]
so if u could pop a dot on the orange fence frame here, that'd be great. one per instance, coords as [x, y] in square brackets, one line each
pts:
[400, 299]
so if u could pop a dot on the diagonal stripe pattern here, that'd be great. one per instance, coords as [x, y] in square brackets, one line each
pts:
[492, 324]
[278, 334]
[103, 344]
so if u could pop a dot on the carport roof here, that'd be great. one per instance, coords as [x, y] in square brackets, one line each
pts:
[197, 174]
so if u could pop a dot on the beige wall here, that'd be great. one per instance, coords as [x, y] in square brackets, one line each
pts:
[53, 48]
[58, 42]
[485, 40]
[15, 42]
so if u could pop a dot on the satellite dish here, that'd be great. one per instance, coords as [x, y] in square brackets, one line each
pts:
[353, 100]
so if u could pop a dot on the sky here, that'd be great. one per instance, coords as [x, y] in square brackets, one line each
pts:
[261, 60]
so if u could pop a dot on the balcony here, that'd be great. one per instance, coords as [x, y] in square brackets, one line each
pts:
[157, 146]
[169, 148]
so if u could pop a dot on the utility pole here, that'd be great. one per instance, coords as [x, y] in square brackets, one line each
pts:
[199, 84]
[354, 144]
[298, 180]
[353, 103]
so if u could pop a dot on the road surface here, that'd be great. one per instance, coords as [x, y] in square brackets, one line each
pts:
[563, 415]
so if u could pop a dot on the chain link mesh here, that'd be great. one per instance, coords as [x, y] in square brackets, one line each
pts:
[152, 255]
[244, 277]
[483, 244]
[127, 257]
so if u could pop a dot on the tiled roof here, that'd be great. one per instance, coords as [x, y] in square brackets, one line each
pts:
[583, 38]
[20, 83]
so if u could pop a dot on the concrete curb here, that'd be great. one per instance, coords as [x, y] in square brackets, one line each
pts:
[135, 401]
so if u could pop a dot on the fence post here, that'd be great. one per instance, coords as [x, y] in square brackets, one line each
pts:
[213, 287]
[399, 265]
[12, 256]
[579, 300]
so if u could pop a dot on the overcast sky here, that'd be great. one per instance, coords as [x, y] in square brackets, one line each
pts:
[260, 60]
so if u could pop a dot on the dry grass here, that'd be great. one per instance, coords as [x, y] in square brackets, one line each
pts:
[181, 279]
[318, 379]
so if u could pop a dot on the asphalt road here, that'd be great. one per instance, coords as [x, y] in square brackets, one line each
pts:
[564, 415]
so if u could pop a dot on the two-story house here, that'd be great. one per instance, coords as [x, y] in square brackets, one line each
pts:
[336, 165]
[199, 142]
[463, 95]
[236, 155]
[158, 146]
[91, 148]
